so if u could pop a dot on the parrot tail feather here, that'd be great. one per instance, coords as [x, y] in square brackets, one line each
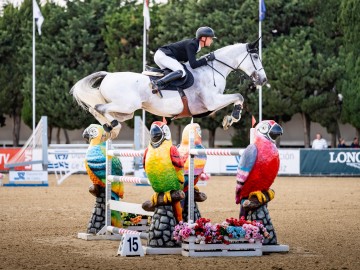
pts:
[177, 210]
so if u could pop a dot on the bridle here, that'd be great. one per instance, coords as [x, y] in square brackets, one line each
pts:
[250, 52]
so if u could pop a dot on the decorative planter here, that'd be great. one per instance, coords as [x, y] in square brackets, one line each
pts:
[240, 247]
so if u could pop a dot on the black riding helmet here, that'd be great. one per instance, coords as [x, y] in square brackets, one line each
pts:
[205, 31]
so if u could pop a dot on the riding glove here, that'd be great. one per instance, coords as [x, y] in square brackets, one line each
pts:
[210, 57]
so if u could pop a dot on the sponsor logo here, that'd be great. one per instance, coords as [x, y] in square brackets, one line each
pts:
[61, 162]
[351, 159]
[20, 176]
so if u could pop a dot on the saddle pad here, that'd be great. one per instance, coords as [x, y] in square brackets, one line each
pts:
[182, 83]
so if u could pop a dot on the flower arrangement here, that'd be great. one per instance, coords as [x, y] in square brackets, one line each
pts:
[231, 229]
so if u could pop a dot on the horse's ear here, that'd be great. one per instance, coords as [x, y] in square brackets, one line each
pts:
[254, 45]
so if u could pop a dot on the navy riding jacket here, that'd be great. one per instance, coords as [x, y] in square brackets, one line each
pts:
[183, 51]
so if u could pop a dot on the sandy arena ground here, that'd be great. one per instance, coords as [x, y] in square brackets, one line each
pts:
[319, 218]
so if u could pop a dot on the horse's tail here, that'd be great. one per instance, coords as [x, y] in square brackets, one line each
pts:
[86, 91]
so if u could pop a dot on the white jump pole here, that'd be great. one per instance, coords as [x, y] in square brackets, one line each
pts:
[215, 152]
[107, 189]
[128, 179]
[126, 153]
[191, 203]
[115, 230]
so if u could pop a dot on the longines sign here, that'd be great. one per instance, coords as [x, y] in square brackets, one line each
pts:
[330, 161]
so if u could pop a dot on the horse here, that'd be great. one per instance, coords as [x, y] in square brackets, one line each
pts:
[114, 97]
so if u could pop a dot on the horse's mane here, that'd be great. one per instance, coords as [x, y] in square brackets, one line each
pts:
[229, 46]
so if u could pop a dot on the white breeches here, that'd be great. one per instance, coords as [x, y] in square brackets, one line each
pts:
[164, 61]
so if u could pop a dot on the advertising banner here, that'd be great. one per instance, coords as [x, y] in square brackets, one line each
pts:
[330, 161]
[7, 153]
[73, 160]
[289, 163]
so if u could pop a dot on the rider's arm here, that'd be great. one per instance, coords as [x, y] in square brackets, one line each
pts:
[191, 50]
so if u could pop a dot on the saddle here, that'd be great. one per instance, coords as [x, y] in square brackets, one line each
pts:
[176, 85]
[182, 83]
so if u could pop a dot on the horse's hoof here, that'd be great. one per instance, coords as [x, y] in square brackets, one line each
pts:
[236, 114]
[107, 128]
[115, 131]
[114, 123]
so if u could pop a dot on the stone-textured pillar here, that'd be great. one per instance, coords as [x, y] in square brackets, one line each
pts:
[162, 226]
[262, 215]
[97, 219]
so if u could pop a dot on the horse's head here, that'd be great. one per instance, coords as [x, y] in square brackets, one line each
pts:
[251, 64]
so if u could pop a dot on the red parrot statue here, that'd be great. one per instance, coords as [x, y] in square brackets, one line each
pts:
[259, 163]
[258, 167]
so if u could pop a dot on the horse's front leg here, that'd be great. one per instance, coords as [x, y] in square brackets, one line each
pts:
[220, 101]
[234, 117]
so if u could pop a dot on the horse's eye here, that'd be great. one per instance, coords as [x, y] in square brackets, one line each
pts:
[255, 56]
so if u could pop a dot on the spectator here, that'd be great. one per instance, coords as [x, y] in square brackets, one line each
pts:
[355, 143]
[319, 143]
[342, 143]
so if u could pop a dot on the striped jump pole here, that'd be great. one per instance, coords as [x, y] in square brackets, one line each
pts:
[215, 152]
[128, 179]
[115, 230]
[125, 153]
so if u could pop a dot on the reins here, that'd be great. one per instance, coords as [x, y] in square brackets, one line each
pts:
[234, 69]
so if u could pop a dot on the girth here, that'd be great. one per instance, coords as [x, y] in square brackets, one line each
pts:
[186, 111]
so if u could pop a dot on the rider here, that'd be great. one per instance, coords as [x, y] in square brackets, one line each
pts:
[169, 56]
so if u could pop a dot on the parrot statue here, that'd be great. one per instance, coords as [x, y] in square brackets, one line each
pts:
[163, 166]
[95, 164]
[199, 164]
[183, 148]
[257, 170]
[259, 163]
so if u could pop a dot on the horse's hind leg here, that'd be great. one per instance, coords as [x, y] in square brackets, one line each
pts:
[122, 112]
[109, 124]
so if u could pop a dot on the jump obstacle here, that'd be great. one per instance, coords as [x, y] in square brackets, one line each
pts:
[29, 167]
[189, 248]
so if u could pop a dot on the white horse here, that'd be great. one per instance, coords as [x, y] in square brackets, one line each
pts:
[114, 97]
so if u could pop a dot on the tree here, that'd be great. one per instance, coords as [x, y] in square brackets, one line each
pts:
[350, 84]
[13, 37]
[70, 48]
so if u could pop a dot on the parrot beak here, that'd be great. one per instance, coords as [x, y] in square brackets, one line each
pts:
[86, 136]
[156, 136]
[275, 131]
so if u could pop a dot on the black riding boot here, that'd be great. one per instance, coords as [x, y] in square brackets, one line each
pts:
[158, 85]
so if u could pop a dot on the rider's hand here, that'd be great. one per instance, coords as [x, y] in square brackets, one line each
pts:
[210, 57]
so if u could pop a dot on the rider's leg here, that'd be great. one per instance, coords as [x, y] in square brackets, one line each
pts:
[164, 61]
[168, 78]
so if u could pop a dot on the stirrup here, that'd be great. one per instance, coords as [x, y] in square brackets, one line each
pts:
[155, 89]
